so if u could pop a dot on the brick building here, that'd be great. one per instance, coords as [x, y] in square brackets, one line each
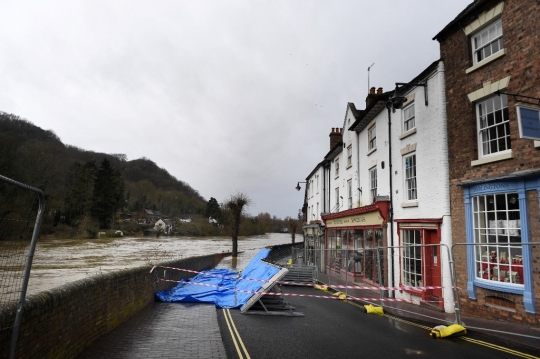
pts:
[491, 52]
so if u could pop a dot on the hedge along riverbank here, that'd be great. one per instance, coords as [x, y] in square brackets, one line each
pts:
[62, 322]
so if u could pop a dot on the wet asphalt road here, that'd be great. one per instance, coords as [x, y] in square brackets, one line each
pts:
[336, 329]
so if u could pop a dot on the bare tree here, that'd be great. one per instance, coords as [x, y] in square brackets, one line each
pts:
[236, 205]
[293, 226]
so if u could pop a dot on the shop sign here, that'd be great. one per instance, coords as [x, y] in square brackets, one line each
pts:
[364, 219]
[529, 122]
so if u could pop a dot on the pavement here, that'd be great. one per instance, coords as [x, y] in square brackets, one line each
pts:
[163, 330]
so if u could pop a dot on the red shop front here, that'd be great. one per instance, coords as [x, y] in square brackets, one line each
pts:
[356, 242]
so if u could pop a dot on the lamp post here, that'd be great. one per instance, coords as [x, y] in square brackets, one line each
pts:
[395, 103]
[304, 207]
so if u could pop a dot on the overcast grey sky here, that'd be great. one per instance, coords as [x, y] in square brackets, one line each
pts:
[228, 96]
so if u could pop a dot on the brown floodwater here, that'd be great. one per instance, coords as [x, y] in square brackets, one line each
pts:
[59, 261]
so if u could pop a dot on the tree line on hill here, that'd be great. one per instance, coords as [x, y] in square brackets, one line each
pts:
[87, 191]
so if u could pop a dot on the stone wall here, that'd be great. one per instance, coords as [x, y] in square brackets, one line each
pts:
[62, 322]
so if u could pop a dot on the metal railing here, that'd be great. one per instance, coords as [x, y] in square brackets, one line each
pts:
[429, 289]
[508, 264]
[424, 286]
[21, 213]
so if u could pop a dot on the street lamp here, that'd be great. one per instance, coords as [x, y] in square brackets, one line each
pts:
[396, 102]
[298, 186]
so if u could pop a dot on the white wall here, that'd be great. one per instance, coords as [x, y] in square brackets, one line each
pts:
[315, 195]
[433, 196]
[375, 158]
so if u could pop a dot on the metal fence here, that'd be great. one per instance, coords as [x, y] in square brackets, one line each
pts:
[420, 280]
[21, 212]
[506, 263]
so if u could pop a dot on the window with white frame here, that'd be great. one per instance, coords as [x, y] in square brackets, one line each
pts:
[408, 118]
[372, 137]
[410, 177]
[487, 42]
[349, 156]
[349, 193]
[493, 125]
[373, 182]
[336, 166]
[411, 258]
[497, 238]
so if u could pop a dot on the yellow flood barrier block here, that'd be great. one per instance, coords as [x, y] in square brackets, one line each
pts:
[442, 331]
[371, 309]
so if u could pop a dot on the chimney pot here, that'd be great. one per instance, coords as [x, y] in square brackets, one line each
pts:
[372, 90]
[379, 91]
[335, 136]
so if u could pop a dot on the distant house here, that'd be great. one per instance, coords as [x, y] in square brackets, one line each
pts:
[148, 216]
[212, 220]
[125, 217]
[165, 226]
[186, 220]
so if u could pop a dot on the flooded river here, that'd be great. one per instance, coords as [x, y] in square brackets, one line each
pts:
[59, 261]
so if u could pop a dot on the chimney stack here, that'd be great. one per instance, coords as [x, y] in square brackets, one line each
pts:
[335, 136]
[372, 96]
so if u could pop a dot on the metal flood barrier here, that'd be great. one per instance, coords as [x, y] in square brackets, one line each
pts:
[21, 213]
[504, 261]
[416, 280]
[365, 275]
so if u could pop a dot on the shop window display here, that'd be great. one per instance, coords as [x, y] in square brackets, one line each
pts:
[497, 230]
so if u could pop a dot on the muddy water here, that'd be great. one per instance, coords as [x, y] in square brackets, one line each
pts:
[59, 261]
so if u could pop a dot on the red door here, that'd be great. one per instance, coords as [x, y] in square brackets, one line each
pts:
[432, 255]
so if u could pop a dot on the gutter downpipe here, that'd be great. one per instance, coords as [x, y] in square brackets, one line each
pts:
[358, 168]
[324, 188]
[391, 209]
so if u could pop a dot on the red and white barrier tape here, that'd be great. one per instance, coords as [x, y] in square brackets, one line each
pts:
[295, 294]
[337, 286]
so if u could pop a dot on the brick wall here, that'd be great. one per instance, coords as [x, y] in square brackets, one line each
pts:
[62, 322]
[521, 63]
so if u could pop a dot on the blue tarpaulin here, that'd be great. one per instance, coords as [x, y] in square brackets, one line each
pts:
[222, 284]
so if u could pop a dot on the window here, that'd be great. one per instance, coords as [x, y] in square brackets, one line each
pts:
[336, 165]
[373, 182]
[497, 228]
[372, 138]
[493, 125]
[487, 42]
[411, 258]
[349, 193]
[410, 178]
[349, 156]
[337, 199]
[408, 118]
